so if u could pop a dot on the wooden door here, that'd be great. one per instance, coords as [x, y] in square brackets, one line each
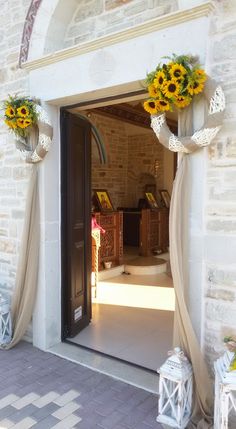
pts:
[76, 223]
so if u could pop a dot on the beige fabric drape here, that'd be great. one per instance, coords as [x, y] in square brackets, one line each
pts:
[184, 335]
[25, 290]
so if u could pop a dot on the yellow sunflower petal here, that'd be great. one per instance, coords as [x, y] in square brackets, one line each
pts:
[163, 105]
[200, 75]
[20, 123]
[178, 71]
[153, 91]
[160, 78]
[198, 87]
[23, 111]
[27, 122]
[150, 106]
[10, 112]
[171, 88]
[182, 102]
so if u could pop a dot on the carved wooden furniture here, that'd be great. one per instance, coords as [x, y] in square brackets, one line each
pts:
[111, 245]
[154, 230]
[96, 236]
[131, 227]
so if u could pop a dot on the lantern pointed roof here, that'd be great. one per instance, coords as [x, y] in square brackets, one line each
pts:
[177, 366]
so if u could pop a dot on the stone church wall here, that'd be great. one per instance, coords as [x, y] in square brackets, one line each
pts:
[220, 207]
[13, 172]
[97, 18]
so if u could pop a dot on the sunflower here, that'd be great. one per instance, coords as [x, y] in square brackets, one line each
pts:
[21, 123]
[182, 101]
[171, 88]
[195, 87]
[200, 75]
[23, 111]
[27, 122]
[163, 105]
[160, 78]
[177, 71]
[153, 91]
[150, 106]
[8, 123]
[11, 124]
[10, 112]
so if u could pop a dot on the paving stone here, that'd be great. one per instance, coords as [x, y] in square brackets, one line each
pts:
[6, 424]
[46, 423]
[68, 422]
[110, 421]
[42, 413]
[66, 410]
[8, 400]
[133, 419]
[67, 397]
[6, 411]
[40, 402]
[17, 416]
[26, 423]
[63, 395]
[26, 400]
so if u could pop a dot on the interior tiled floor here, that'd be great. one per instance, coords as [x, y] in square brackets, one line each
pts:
[137, 335]
[139, 329]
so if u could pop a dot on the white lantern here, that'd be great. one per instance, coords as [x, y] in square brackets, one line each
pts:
[175, 390]
[5, 321]
[225, 390]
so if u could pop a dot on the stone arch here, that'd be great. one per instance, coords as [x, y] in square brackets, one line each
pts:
[45, 26]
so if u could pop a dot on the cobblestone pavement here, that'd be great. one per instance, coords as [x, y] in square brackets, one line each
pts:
[43, 391]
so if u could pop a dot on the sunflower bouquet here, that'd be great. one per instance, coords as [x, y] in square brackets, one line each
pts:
[174, 84]
[20, 115]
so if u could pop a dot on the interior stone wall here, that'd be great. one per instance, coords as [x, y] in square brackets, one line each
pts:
[129, 158]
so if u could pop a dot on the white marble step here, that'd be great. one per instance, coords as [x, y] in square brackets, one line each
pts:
[146, 266]
[152, 291]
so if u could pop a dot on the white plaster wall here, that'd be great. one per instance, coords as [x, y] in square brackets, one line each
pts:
[118, 64]
[47, 314]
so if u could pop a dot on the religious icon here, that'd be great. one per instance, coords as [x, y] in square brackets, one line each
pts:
[151, 200]
[165, 197]
[103, 199]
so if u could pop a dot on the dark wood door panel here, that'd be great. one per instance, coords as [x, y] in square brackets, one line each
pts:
[76, 212]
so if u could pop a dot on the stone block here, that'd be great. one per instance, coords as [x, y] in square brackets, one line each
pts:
[7, 246]
[137, 7]
[88, 10]
[222, 276]
[81, 28]
[5, 172]
[226, 226]
[220, 312]
[221, 209]
[20, 173]
[112, 4]
[222, 194]
[220, 294]
[225, 48]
